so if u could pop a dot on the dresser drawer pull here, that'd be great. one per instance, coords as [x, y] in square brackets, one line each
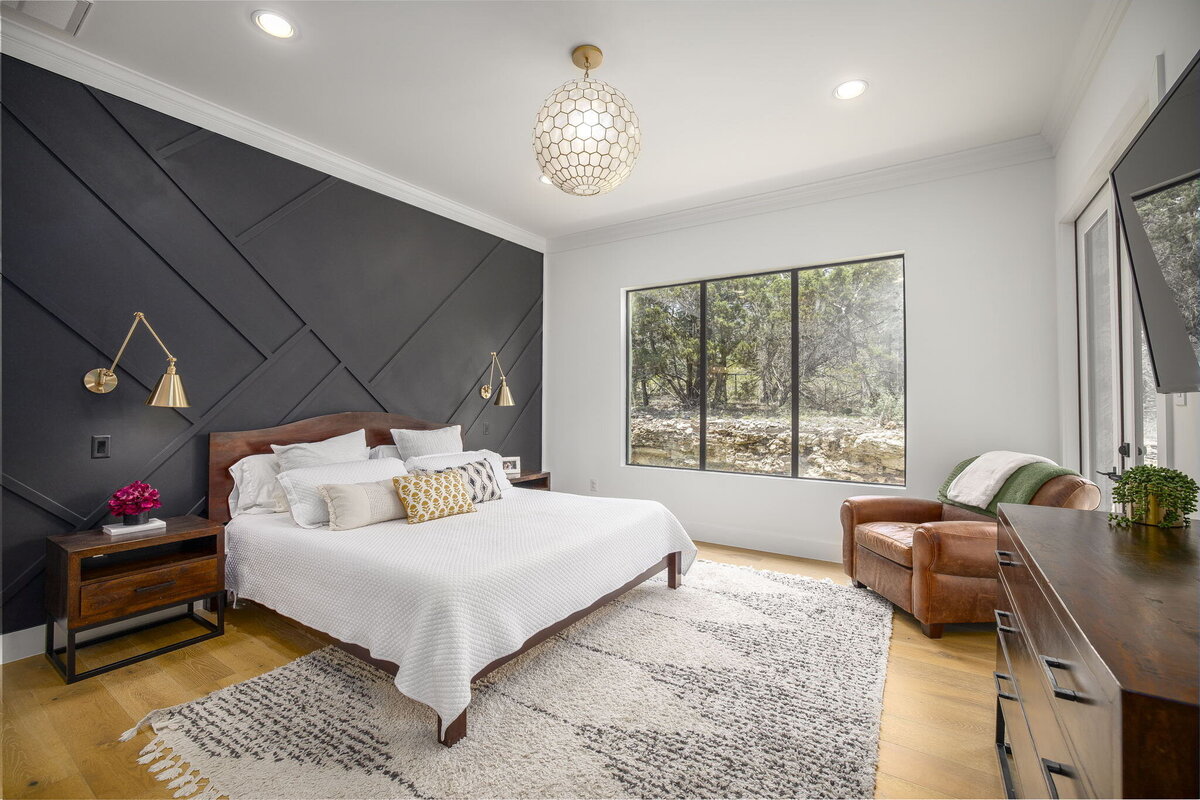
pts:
[1003, 695]
[1004, 558]
[1049, 770]
[1000, 626]
[154, 586]
[1048, 666]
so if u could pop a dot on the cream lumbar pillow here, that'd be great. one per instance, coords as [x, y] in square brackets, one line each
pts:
[433, 496]
[353, 505]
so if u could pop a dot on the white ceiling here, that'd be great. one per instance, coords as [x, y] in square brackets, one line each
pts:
[734, 97]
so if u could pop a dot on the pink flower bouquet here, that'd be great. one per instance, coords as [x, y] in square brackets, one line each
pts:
[134, 499]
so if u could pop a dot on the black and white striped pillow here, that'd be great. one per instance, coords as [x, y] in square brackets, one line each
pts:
[478, 476]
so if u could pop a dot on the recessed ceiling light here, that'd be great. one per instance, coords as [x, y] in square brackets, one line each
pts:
[544, 179]
[274, 24]
[850, 89]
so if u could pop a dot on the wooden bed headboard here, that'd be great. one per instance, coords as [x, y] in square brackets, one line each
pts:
[227, 448]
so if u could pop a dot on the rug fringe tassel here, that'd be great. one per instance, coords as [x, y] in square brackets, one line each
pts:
[167, 765]
[190, 776]
[151, 719]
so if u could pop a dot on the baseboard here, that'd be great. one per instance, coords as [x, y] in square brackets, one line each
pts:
[766, 541]
[22, 644]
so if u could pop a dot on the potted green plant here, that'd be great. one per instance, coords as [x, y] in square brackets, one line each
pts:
[1151, 495]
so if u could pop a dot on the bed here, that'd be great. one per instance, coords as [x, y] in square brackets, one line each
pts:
[441, 604]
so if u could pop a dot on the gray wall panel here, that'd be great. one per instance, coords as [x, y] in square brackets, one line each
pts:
[284, 293]
[116, 170]
[372, 271]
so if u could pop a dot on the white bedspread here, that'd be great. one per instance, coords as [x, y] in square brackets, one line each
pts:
[443, 599]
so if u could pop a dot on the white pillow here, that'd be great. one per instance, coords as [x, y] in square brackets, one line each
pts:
[444, 460]
[302, 485]
[340, 449]
[255, 490]
[385, 451]
[427, 443]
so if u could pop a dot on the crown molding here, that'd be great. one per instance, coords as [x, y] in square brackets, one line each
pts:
[965, 162]
[45, 51]
[1101, 26]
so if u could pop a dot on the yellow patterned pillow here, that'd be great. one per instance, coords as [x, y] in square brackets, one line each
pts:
[433, 495]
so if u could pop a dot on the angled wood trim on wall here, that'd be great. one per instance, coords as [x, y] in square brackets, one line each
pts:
[284, 292]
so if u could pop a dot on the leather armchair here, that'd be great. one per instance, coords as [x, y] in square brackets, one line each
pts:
[936, 561]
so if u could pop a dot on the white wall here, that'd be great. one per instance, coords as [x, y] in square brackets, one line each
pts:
[1117, 101]
[979, 260]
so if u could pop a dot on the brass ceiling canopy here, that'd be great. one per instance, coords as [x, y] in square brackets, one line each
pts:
[586, 57]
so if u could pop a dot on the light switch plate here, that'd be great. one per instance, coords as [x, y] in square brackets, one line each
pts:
[101, 446]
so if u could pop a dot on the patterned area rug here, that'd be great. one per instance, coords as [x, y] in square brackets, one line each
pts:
[742, 683]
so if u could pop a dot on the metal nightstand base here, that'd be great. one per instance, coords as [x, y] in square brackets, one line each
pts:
[67, 668]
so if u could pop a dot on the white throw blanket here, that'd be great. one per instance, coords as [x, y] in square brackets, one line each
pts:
[978, 483]
[445, 598]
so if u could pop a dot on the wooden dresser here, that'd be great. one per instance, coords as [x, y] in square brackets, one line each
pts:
[1097, 664]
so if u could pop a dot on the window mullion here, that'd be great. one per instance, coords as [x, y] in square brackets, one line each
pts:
[703, 377]
[795, 353]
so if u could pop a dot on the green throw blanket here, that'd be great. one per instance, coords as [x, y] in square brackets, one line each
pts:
[1020, 487]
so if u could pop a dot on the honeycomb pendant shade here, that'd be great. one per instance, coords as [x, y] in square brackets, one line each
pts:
[587, 137]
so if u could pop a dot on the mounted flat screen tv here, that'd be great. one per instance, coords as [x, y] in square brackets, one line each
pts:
[1157, 185]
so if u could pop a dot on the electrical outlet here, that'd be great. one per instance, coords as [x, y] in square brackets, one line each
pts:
[487, 428]
[100, 446]
[595, 485]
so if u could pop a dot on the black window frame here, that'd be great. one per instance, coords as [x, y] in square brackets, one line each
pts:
[794, 272]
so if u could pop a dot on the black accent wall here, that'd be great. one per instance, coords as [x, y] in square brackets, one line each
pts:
[284, 293]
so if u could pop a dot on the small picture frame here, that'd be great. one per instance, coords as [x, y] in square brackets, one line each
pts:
[511, 465]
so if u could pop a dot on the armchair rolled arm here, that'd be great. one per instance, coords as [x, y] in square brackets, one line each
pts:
[881, 508]
[959, 547]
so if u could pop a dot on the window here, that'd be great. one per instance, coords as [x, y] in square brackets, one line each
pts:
[797, 373]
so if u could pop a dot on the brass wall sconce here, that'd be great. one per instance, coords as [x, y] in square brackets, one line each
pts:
[168, 392]
[504, 396]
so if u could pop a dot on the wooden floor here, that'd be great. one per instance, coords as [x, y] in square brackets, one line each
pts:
[59, 741]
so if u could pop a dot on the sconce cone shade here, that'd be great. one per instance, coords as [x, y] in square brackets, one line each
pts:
[168, 393]
[504, 396]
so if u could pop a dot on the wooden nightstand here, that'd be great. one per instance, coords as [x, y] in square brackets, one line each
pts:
[93, 579]
[531, 480]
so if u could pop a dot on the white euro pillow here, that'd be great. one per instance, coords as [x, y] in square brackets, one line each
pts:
[255, 489]
[413, 443]
[302, 485]
[444, 460]
[337, 450]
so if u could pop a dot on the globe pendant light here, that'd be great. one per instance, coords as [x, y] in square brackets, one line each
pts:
[587, 135]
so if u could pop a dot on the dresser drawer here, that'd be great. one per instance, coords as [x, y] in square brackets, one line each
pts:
[1022, 756]
[1056, 686]
[148, 589]
[1054, 762]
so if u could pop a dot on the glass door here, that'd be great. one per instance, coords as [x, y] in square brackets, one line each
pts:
[1100, 407]
[1123, 421]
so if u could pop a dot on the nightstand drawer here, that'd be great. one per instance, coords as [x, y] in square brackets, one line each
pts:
[149, 589]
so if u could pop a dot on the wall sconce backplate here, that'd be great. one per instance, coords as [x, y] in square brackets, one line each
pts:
[100, 381]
